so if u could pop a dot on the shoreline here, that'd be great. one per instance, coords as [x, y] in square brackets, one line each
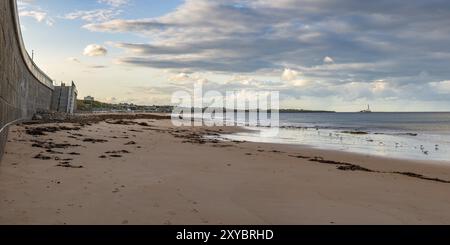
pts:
[407, 146]
[320, 151]
[145, 171]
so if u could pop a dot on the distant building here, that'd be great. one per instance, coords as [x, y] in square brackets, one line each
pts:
[65, 98]
[89, 99]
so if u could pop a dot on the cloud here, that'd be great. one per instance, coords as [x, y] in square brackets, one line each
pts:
[95, 50]
[371, 41]
[99, 15]
[442, 87]
[290, 75]
[98, 66]
[73, 59]
[180, 77]
[328, 60]
[27, 8]
[83, 64]
[114, 3]
[292, 78]
[118, 25]
[22, 3]
[93, 15]
[38, 15]
[186, 81]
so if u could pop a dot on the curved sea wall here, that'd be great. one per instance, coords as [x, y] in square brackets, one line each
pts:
[24, 88]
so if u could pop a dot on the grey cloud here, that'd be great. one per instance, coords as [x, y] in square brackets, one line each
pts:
[367, 40]
[98, 66]
[219, 65]
[119, 25]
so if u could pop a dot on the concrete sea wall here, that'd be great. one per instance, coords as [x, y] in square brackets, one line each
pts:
[24, 88]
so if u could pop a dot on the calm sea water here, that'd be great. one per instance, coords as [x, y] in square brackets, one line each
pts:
[420, 136]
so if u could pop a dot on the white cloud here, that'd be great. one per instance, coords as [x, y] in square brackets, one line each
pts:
[22, 3]
[95, 50]
[114, 3]
[38, 15]
[97, 15]
[187, 80]
[180, 77]
[27, 8]
[379, 86]
[290, 75]
[328, 60]
[299, 83]
[442, 87]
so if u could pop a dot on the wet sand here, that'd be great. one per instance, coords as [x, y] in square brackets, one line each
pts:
[145, 171]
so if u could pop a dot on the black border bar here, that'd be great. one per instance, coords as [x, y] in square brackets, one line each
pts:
[330, 234]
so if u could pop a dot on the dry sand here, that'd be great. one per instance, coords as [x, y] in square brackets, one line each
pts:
[157, 174]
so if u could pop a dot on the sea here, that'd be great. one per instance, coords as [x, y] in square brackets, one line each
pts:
[415, 136]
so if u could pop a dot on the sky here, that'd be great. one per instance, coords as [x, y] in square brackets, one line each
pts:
[321, 54]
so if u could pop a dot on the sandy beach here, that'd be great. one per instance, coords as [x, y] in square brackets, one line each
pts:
[145, 171]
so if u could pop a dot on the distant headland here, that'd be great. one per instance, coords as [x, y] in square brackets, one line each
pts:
[96, 106]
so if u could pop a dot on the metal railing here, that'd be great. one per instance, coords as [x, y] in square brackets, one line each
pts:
[4, 127]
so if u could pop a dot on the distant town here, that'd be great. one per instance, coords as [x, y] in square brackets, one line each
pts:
[90, 105]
